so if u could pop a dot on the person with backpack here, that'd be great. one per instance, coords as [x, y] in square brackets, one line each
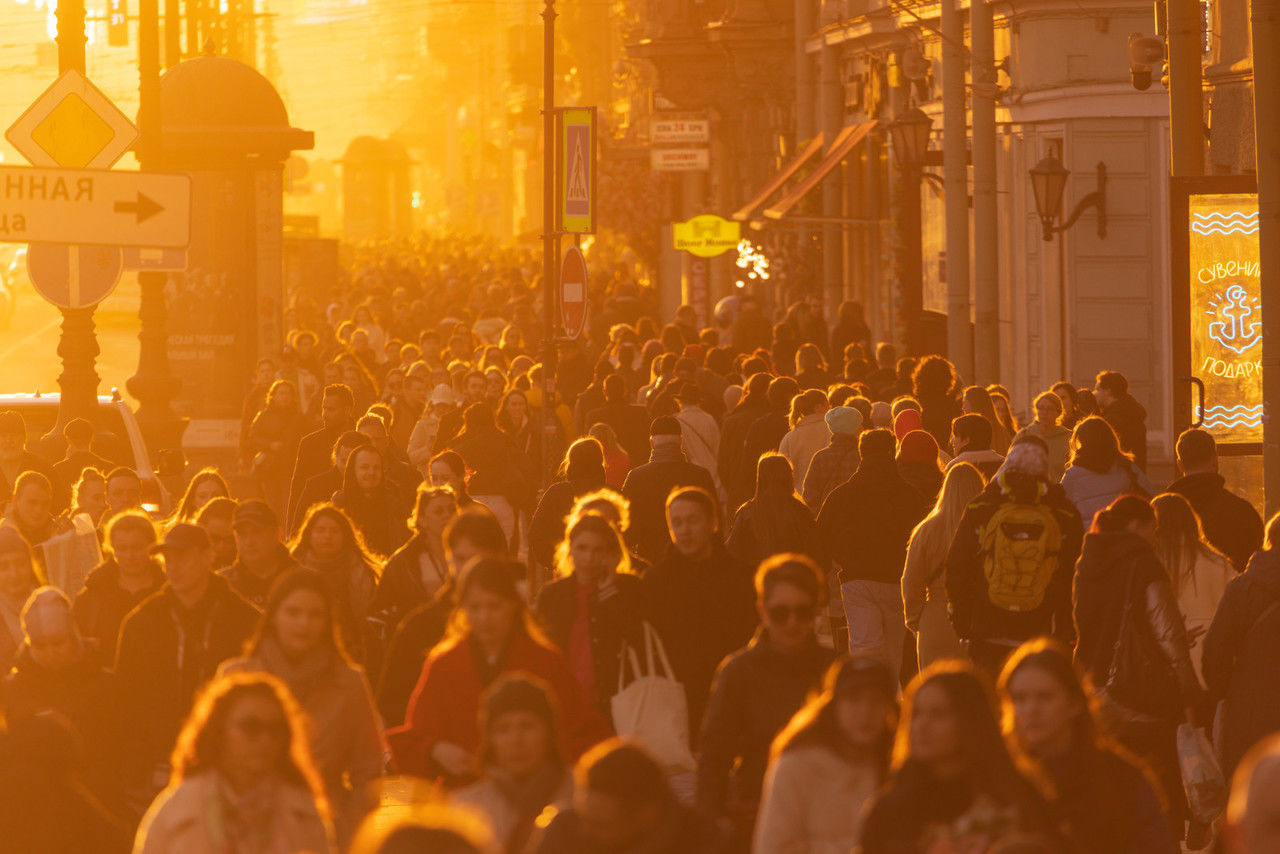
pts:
[1010, 563]
[1132, 644]
[1241, 653]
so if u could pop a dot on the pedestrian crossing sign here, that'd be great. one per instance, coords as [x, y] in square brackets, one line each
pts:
[576, 170]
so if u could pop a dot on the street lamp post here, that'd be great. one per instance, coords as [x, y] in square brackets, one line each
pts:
[549, 236]
[909, 134]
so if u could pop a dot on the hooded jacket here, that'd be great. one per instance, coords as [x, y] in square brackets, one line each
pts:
[101, 605]
[973, 614]
[865, 523]
[1102, 586]
[1231, 524]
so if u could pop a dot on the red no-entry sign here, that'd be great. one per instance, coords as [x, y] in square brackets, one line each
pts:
[73, 276]
[573, 292]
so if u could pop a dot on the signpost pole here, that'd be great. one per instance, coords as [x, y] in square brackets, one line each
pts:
[78, 342]
[153, 385]
[1265, 29]
[549, 278]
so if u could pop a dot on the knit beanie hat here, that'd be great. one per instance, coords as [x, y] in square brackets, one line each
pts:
[518, 693]
[907, 420]
[844, 420]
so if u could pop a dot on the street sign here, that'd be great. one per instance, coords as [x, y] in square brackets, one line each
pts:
[679, 159]
[573, 292]
[73, 276]
[117, 23]
[706, 236]
[576, 170]
[72, 124]
[94, 207]
[680, 131]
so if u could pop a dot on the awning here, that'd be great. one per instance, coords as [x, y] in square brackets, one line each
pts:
[845, 141]
[813, 149]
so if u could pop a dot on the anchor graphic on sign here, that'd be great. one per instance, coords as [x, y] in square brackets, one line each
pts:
[1233, 328]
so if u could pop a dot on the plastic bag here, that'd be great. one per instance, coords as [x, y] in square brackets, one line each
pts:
[1201, 775]
[70, 556]
[653, 709]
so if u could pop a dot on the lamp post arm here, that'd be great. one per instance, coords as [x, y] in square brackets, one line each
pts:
[1096, 199]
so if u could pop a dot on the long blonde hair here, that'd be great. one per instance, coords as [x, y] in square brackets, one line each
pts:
[934, 533]
[599, 524]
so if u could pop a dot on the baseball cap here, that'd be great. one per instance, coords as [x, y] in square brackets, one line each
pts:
[255, 511]
[183, 536]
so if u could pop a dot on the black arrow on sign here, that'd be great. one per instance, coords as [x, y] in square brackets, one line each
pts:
[144, 208]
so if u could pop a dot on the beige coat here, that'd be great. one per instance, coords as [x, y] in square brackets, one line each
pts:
[183, 819]
[810, 435]
[344, 732]
[1198, 598]
[487, 798]
[924, 600]
[813, 803]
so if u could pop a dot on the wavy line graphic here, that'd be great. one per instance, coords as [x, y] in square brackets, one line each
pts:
[1217, 229]
[1216, 215]
[1214, 423]
[1228, 409]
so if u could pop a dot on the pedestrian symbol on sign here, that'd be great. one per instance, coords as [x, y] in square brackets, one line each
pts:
[575, 170]
[578, 194]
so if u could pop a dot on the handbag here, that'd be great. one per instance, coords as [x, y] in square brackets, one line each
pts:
[652, 710]
[1139, 678]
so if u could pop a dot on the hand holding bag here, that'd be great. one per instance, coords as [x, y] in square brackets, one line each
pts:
[652, 710]
[1201, 775]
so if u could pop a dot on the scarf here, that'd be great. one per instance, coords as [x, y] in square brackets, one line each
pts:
[245, 822]
[528, 797]
[302, 675]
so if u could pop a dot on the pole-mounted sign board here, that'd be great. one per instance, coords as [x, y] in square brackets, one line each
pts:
[72, 124]
[94, 208]
[573, 292]
[576, 170]
[706, 236]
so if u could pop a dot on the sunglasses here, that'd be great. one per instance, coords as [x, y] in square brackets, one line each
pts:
[784, 613]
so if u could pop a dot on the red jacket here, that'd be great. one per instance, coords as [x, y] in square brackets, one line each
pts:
[446, 703]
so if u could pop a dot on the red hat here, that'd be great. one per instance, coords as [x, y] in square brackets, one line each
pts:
[907, 420]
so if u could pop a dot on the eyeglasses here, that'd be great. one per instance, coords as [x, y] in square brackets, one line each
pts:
[262, 727]
[784, 613]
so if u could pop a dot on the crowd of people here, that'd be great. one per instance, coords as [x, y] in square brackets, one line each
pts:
[785, 592]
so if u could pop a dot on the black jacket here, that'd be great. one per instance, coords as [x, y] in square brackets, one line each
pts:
[678, 830]
[936, 415]
[380, 514]
[419, 631]
[758, 533]
[973, 614]
[400, 589]
[703, 610]
[252, 587]
[1230, 523]
[614, 616]
[1107, 804]
[733, 444]
[1101, 588]
[757, 690]
[546, 528]
[315, 454]
[1127, 417]
[631, 424]
[764, 434]
[647, 488]
[166, 654]
[865, 523]
[1241, 659]
[491, 459]
[317, 490]
[101, 606]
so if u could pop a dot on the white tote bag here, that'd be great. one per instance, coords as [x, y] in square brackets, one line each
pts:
[652, 710]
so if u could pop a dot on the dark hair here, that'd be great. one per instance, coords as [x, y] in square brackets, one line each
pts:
[989, 769]
[477, 526]
[78, 431]
[974, 427]
[795, 569]
[1112, 382]
[1053, 658]
[349, 485]
[1195, 448]
[584, 461]
[1124, 511]
[815, 723]
[355, 541]
[199, 744]
[757, 385]
[933, 377]
[217, 508]
[695, 494]
[290, 582]
[781, 390]
[496, 576]
[615, 389]
[186, 507]
[1061, 386]
[1094, 446]
[342, 393]
[518, 692]
[349, 440]
[623, 771]
[455, 463]
[31, 478]
[122, 471]
[877, 444]
[478, 416]
[424, 495]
